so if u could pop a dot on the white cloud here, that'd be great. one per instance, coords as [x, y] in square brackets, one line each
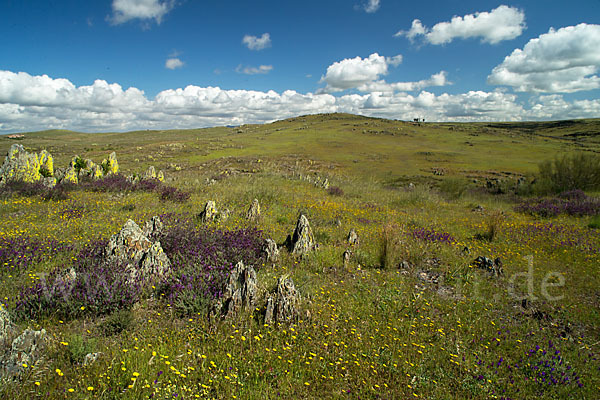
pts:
[364, 73]
[126, 10]
[354, 72]
[566, 60]
[371, 6]
[39, 102]
[263, 69]
[502, 23]
[257, 43]
[173, 63]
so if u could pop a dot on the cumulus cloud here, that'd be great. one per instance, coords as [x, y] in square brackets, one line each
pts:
[126, 10]
[173, 63]
[257, 43]
[564, 60]
[371, 6]
[40, 102]
[263, 69]
[364, 73]
[502, 23]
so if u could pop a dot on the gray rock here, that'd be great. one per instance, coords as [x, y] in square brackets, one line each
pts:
[282, 307]
[91, 358]
[271, 250]
[353, 238]
[20, 165]
[143, 259]
[49, 181]
[223, 215]
[346, 257]
[325, 184]
[302, 241]
[150, 173]
[153, 227]
[239, 294]
[494, 268]
[209, 213]
[254, 211]
[27, 348]
[6, 327]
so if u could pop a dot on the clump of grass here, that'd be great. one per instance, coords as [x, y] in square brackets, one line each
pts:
[570, 172]
[493, 224]
[594, 222]
[78, 347]
[117, 322]
[454, 187]
[390, 246]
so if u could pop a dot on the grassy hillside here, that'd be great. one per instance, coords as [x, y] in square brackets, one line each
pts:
[409, 316]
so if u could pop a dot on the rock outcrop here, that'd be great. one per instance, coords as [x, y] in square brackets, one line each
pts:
[209, 213]
[150, 173]
[240, 293]
[20, 165]
[6, 327]
[353, 238]
[254, 211]
[153, 227]
[271, 250]
[494, 268]
[282, 307]
[110, 166]
[27, 349]
[143, 259]
[303, 240]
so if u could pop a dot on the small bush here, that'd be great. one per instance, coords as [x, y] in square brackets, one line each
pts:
[454, 187]
[173, 194]
[594, 222]
[79, 347]
[390, 246]
[571, 172]
[335, 191]
[494, 223]
[117, 322]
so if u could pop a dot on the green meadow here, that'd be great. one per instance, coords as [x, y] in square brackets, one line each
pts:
[410, 315]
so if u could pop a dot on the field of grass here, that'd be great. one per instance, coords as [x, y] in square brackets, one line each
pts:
[410, 316]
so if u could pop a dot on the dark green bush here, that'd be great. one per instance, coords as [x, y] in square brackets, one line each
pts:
[570, 172]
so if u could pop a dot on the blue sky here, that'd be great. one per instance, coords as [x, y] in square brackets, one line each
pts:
[137, 64]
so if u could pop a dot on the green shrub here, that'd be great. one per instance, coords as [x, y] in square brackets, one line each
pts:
[594, 222]
[78, 347]
[117, 322]
[570, 172]
[454, 187]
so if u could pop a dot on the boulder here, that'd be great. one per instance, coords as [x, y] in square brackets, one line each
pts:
[282, 307]
[144, 260]
[494, 268]
[239, 294]
[110, 166]
[21, 165]
[70, 175]
[353, 237]
[160, 176]
[271, 250]
[153, 227]
[223, 215]
[302, 241]
[254, 211]
[150, 173]
[26, 349]
[90, 358]
[209, 213]
[325, 184]
[6, 327]
[346, 257]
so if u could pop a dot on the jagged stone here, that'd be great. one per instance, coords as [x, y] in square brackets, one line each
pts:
[144, 260]
[91, 358]
[70, 175]
[110, 166]
[302, 241]
[494, 268]
[26, 349]
[46, 164]
[209, 213]
[253, 211]
[325, 184]
[6, 327]
[223, 215]
[20, 165]
[239, 294]
[150, 173]
[353, 238]
[282, 307]
[49, 181]
[160, 176]
[96, 171]
[346, 257]
[271, 250]
[153, 227]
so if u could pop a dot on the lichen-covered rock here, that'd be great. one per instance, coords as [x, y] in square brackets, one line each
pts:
[49, 181]
[160, 176]
[353, 237]
[90, 358]
[346, 257]
[302, 240]
[150, 173]
[20, 165]
[282, 307]
[70, 175]
[153, 227]
[110, 166]
[46, 164]
[271, 250]
[239, 294]
[223, 215]
[96, 171]
[6, 327]
[26, 349]
[254, 211]
[143, 259]
[209, 213]
[325, 184]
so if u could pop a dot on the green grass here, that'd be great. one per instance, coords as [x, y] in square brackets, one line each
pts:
[372, 330]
